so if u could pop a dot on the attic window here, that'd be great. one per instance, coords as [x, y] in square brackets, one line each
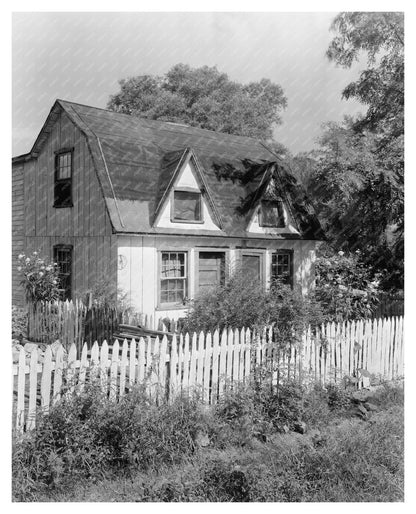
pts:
[272, 214]
[63, 179]
[187, 207]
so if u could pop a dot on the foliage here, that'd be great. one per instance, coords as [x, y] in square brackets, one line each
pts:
[243, 302]
[103, 292]
[377, 213]
[345, 287]
[19, 321]
[40, 278]
[203, 97]
[86, 435]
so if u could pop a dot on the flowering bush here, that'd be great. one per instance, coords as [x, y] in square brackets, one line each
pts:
[345, 287]
[40, 278]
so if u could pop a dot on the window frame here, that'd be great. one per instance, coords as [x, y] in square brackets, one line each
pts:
[172, 305]
[262, 223]
[261, 255]
[216, 249]
[283, 251]
[58, 180]
[70, 249]
[201, 210]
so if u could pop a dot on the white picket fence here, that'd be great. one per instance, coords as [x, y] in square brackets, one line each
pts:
[209, 363]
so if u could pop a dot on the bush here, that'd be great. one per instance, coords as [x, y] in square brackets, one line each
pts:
[19, 322]
[86, 435]
[40, 278]
[242, 302]
[345, 287]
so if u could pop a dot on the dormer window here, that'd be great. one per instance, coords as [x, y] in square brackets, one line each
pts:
[187, 207]
[272, 214]
[63, 179]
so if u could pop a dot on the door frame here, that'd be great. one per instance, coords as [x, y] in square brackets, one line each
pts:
[216, 249]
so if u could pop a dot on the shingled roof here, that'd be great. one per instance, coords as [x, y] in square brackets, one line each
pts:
[135, 158]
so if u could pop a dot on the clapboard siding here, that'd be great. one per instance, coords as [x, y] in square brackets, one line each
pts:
[17, 229]
[37, 225]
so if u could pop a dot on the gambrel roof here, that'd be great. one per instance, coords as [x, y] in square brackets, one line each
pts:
[135, 160]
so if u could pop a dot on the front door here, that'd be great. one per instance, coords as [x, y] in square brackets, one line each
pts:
[211, 270]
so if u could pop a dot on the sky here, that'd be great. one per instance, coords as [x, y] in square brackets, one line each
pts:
[80, 56]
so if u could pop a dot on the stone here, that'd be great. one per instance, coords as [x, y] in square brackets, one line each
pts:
[300, 427]
[371, 407]
[361, 396]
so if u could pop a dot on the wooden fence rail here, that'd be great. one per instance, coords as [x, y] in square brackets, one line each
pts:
[210, 363]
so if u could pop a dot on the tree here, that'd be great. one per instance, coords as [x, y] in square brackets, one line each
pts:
[356, 176]
[203, 97]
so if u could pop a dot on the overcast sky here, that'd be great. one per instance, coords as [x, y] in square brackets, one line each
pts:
[81, 56]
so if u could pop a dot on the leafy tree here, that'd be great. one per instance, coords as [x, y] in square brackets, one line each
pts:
[203, 97]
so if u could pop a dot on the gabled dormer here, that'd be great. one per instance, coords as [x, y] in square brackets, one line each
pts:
[271, 213]
[185, 198]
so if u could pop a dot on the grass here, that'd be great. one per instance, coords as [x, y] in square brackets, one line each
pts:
[341, 458]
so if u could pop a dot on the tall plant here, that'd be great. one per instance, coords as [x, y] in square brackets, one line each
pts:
[40, 278]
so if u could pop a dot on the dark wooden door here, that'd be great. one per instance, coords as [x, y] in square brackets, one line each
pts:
[211, 270]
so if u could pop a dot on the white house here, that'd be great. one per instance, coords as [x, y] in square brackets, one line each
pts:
[162, 210]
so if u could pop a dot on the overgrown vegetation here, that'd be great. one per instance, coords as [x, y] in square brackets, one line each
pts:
[243, 302]
[345, 287]
[244, 449]
[40, 278]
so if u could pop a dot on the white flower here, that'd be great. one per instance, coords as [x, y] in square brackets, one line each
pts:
[41, 273]
[54, 281]
[341, 253]
[27, 260]
[21, 255]
[35, 253]
[19, 268]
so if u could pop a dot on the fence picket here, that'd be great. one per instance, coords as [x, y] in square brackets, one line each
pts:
[33, 385]
[57, 379]
[45, 388]
[114, 370]
[21, 385]
[83, 366]
[215, 363]
[207, 367]
[211, 362]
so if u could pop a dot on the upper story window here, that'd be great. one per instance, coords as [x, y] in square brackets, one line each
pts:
[63, 179]
[272, 214]
[187, 207]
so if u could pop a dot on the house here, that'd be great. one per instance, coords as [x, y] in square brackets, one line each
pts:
[161, 210]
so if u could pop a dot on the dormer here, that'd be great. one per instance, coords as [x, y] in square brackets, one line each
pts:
[271, 214]
[186, 202]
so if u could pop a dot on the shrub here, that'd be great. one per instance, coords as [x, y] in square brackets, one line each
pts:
[345, 287]
[40, 278]
[86, 435]
[241, 302]
[19, 322]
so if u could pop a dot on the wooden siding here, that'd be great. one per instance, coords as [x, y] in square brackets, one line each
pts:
[17, 230]
[86, 226]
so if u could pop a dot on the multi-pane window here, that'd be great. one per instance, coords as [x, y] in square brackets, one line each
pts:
[272, 214]
[62, 255]
[187, 206]
[173, 278]
[63, 179]
[282, 267]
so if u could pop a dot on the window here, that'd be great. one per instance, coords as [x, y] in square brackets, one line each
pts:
[63, 179]
[282, 266]
[187, 206]
[173, 278]
[62, 255]
[272, 214]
